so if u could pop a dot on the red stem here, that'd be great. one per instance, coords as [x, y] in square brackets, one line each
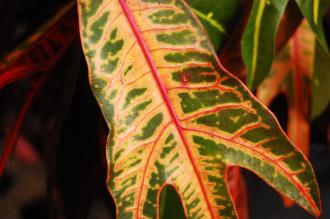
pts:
[16, 128]
[297, 76]
[15, 74]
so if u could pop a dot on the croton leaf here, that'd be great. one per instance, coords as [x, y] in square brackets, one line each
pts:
[320, 81]
[176, 117]
[289, 23]
[218, 17]
[314, 11]
[291, 75]
[259, 38]
[230, 56]
[299, 69]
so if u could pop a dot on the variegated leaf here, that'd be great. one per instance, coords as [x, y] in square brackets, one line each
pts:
[291, 74]
[176, 117]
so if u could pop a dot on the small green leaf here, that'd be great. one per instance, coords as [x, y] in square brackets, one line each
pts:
[218, 17]
[259, 37]
[170, 204]
[313, 11]
[321, 81]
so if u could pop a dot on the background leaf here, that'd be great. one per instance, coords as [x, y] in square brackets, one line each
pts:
[170, 204]
[314, 11]
[218, 18]
[259, 39]
[231, 57]
[321, 81]
[40, 52]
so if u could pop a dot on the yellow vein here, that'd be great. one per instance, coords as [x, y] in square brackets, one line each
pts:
[260, 11]
[210, 20]
[315, 11]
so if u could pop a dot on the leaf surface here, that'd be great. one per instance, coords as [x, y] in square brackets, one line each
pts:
[320, 81]
[295, 71]
[291, 74]
[259, 38]
[176, 117]
[314, 11]
[218, 18]
[231, 57]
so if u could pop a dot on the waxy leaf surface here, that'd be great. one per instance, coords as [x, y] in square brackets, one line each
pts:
[320, 81]
[176, 117]
[314, 11]
[300, 71]
[258, 42]
[218, 18]
[231, 56]
[291, 75]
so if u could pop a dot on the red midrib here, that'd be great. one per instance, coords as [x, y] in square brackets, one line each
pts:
[9, 145]
[164, 94]
[297, 90]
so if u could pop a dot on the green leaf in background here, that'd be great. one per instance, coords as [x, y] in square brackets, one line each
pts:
[218, 17]
[313, 11]
[321, 81]
[259, 37]
[170, 204]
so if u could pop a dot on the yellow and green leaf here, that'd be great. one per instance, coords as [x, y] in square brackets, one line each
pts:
[258, 41]
[218, 18]
[292, 72]
[176, 117]
[231, 57]
[297, 72]
[313, 11]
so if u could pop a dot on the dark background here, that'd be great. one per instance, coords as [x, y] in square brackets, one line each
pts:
[67, 130]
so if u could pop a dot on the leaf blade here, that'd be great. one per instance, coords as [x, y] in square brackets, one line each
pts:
[153, 141]
[320, 81]
[314, 11]
[291, 75]
[217, 17]
[259, 38]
